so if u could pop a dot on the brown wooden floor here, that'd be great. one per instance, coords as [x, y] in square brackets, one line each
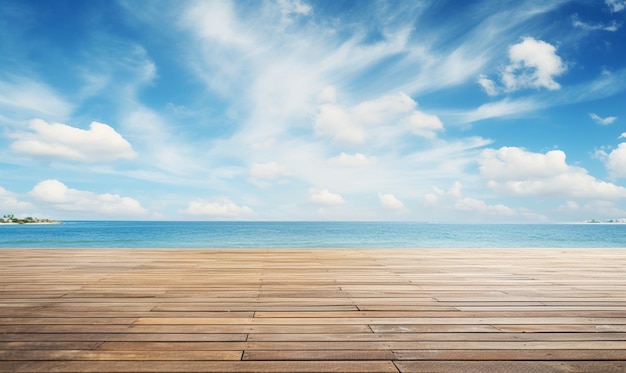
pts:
[487, 310]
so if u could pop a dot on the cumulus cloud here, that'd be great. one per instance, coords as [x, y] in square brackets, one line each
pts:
[58, 195]
[325, 198]
[454, 200]
[222, 208]
[390, 202]
[424, 125]
[515, 171]
[355, 160]
[11, 203]
[60, 141]
[616, 161]
[532, 64]
[616, 5]
[481, 207]
[622, 136]
[397, 112]
[602, 121]
[592, 209]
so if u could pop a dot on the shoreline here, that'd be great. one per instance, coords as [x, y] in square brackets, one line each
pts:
[33, 223]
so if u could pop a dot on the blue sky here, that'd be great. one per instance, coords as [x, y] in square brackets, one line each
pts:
[491, 111]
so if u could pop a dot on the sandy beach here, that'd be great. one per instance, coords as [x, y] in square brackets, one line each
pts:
[313, 310]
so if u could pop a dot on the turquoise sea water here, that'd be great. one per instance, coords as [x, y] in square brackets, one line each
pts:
[123, 234]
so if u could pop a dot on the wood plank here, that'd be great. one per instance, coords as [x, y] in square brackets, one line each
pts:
[510, 366]
[77, 355]
[287, 366]
[510, 355]
[312, 310]
[318, 355]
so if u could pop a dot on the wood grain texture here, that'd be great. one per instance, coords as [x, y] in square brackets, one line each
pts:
[312, 310]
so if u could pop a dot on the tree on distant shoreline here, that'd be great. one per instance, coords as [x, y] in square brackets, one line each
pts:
[10, 218]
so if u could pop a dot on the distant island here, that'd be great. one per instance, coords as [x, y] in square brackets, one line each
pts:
[11, 219]
[607, 221]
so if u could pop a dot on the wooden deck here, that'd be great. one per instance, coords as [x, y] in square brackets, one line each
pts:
[301, 310]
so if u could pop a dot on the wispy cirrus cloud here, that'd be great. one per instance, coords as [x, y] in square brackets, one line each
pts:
[610, 27]
[602, 121]
[25, 98]
[616, 5]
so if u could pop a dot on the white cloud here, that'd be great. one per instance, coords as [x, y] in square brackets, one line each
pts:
[515, 171]
[269, 170]
[570, 206]
[356, 160]
[395, 113]
[424, 125]
[325, 198]
[534, 64]
[58, 195]
[32, 98]
[222, 208]
[11, 204]
[390, 202]
[383, 108]
[480, 207]
[616, 161]
[605, 209]
[591, 210]
[294, 7]
[488, 85]
[453, 200]
[602, 121]
[498, 109]
[57, 140]
[216, 20]
[291, 9]
[622, 136]
[262, 174]
[612, 27]
[328, 95]
[616, 5]
[332, 121]
[158, 143]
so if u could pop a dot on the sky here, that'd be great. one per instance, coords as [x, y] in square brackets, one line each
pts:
[446, 111]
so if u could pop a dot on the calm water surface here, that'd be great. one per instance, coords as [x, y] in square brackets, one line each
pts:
[124, 234]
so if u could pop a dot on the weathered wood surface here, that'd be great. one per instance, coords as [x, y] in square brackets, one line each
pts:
[304, 310]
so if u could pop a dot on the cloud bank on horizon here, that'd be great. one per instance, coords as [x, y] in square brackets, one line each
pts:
[489, 111]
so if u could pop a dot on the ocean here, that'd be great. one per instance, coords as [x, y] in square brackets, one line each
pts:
[157, 234]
